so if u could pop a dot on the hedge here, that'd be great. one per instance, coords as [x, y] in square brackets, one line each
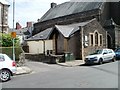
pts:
[9, 50]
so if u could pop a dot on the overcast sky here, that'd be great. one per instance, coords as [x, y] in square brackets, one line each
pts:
[29, 10]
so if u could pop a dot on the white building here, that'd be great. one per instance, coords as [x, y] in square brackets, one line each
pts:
[4, 15]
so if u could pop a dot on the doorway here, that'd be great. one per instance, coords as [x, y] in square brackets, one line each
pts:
[109, 41]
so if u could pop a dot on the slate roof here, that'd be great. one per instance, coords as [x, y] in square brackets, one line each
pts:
[42, 35]
[69, 8]
[23, 31]
[68, 30]
[65, 30]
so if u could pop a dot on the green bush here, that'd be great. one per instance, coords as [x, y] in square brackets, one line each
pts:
[7, 41]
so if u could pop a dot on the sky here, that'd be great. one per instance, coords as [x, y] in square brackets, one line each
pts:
[29, 10]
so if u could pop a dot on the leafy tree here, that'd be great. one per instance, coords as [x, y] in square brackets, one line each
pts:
[7, 41]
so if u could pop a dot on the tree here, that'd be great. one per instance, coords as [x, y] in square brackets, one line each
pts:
[7, 41]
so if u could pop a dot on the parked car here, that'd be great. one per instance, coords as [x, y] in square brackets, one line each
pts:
[117, 52]
[7, 67]
[100, 56]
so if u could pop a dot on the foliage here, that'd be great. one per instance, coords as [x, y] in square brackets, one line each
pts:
[7, 41]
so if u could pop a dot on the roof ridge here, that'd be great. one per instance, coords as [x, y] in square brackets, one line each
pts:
[69, 8]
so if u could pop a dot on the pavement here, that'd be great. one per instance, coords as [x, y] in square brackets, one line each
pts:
[26, 70]
[23, 70]
[72, 63]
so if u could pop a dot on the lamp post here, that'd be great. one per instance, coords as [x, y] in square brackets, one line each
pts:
[13, 30]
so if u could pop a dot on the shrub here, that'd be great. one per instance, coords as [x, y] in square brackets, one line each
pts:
[7, 41]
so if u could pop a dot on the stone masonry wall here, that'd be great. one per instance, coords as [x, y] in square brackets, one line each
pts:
[79, 17]
[90, 28]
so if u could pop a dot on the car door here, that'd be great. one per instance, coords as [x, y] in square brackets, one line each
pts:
[110, 55]
[105, 55]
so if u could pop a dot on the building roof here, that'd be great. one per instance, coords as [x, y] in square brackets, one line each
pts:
[69, 8]
[22, 31]
[4, 2]
[68, 30]
[65, 30]
[42, 35]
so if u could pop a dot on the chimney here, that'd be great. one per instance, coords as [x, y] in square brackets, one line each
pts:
[18, 26]
[53, 5]
[29, 24]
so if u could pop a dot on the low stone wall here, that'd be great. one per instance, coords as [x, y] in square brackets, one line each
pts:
[41, 58]
[34, 57]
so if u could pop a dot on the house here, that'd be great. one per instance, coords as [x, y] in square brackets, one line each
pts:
[4, 16]
[23, 33]
[79, 27]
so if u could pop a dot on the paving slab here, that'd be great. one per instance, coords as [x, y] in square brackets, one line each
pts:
[72, 63]
[23, 70]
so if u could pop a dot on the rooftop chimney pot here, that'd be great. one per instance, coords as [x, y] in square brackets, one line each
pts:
[53, 5]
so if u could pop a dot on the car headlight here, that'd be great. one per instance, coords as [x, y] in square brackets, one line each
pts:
[94, 58]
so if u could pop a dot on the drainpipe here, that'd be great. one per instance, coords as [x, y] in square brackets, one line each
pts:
[43, 46]
[3, 18]
[82, 43]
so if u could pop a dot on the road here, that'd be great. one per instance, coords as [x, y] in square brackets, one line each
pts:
[55, 76]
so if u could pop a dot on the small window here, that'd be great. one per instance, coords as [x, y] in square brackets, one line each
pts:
[91, 40]
[96, 38]
[110, 51]
[105, 51]
[101, 39]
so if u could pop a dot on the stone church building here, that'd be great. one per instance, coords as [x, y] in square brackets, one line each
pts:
[79, 27]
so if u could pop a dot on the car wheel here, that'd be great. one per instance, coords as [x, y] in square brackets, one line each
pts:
[100, 61]
[5, 75]
[114, 59]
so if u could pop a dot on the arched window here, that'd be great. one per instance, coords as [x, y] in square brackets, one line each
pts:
[91, 42]
[101, 40]
[96, 38]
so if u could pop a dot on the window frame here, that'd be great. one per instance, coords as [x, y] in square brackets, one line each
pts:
[100, 40]
[91, 42]
[96, 36]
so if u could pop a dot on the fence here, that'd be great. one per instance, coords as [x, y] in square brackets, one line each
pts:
[8, 51]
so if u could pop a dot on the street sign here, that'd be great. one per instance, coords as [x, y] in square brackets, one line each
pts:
[13, 34]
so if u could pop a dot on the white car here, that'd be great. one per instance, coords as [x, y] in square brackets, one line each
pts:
[7, 67]
[100, 56]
